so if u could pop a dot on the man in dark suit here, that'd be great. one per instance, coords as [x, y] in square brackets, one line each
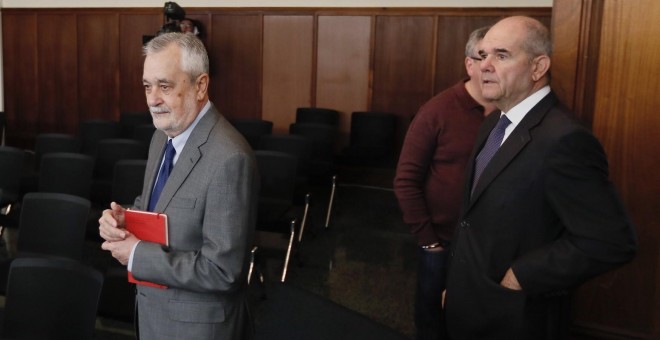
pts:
[209, 196]
[540, 217]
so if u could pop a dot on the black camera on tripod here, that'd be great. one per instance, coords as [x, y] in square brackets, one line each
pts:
[173, 14]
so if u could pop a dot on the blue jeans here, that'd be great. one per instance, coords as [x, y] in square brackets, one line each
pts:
[431, 280]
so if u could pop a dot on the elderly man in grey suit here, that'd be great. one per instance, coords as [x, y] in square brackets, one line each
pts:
[209, 193]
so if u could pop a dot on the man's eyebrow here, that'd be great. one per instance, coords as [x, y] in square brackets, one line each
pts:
[502, 50]
[159, 81]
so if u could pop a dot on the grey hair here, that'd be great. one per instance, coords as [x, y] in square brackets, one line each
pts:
[194, 59]
[475, 37]
[538, 40]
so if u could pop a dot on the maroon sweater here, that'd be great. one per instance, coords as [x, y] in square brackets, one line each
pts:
[431, 171]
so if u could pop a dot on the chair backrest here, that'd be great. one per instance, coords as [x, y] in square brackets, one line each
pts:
[127, 180]
[93, 131]
[144, 133]
[53, 224]
[253, 129]
[46, 143]
[66, 173]
[51, 299]
[110, 151]
[11, 166]
[278, 174]
[129, 120]
[374, 130]
[322, 138]
[317, 115]
[295, 145]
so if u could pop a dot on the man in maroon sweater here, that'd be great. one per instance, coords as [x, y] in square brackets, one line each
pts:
[429, 181]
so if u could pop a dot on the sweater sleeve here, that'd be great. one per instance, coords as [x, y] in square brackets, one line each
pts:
[411, 174]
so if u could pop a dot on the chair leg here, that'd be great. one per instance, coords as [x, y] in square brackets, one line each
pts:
[304, 218]
[251, 268]
[332, 198]
[288, 250]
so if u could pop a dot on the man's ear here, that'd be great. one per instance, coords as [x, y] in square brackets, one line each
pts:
[541, 66]
[202, 86]
[468, 66]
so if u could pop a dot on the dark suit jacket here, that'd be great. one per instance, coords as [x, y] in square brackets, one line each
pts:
[543, 206]
[210, 200]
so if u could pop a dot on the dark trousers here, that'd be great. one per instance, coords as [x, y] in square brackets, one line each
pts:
[431, 280]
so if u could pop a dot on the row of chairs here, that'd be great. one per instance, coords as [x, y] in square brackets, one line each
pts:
[372, 135]
[50, 292]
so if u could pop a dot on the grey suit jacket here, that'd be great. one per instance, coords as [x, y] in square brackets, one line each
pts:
[545, 207]
[210, 199]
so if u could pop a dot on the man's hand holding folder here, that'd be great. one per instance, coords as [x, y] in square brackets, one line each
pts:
[120, 238]
[150, 227]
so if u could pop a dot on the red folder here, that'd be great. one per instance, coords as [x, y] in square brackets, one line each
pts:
[150, 227]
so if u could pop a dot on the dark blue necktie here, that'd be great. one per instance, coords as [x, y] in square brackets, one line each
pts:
[490, 148]
[163, 174]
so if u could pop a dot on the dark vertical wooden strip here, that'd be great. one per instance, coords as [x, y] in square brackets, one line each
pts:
[98, 63]
[132, 28]
[21, 93]
[235, 54]
[402, 66]
[58, 73]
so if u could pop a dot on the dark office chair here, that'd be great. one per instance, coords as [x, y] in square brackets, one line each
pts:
[277, 215]
[109, 152]
[127, 181]
[117, 300]
[92, 131]
[66, 173]
[11, 166]
[144, 133]
[316, 115]
[11, 170]
[46, 143]
[322, 139]
[50, 298]
[372, 139]
[297, 146]
[51, 224]
[253, 129]
[129, 120]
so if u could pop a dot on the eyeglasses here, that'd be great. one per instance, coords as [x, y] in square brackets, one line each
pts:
[475, 58]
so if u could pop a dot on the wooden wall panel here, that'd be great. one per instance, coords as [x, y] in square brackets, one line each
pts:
[342, 80]
[98, 61]
[453, 33]
[287, 67]
[264, 62]
[566, 22]
[58, 73]
[626, 302]
[132, 27]
[403, 64]
[20, 75]
[235, 54]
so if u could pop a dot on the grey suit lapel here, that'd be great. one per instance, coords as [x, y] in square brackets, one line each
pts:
[188, 158]
[518, 139]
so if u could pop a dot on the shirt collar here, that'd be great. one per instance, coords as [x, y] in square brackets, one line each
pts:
[518, 112]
